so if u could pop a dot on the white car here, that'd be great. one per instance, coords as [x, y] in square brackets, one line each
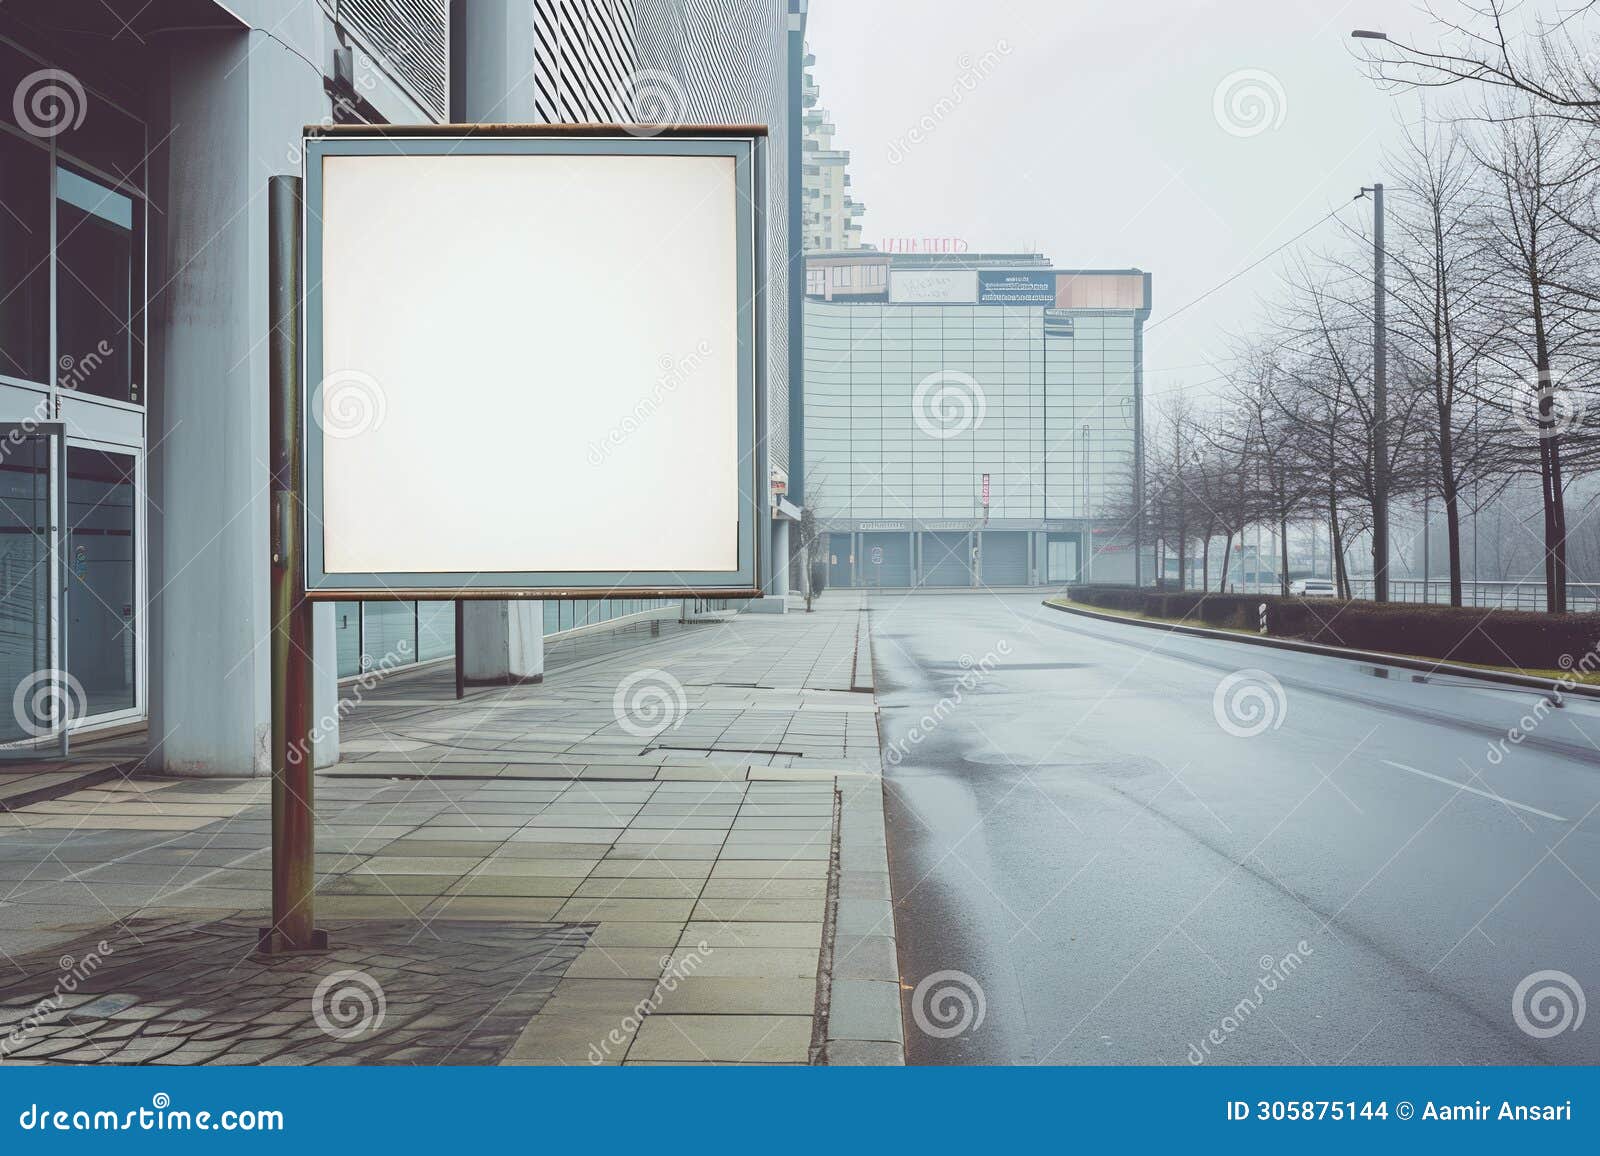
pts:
[1313, 588]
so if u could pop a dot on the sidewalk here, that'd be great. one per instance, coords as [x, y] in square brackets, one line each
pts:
[653, 857]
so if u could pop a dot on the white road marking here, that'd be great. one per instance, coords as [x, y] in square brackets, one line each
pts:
[1475, 791]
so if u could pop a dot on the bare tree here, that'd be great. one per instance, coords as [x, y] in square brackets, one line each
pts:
[1436, 318]
[1536, 262]
[1551, 62]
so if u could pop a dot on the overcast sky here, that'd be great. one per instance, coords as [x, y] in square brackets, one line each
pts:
[1089, 130]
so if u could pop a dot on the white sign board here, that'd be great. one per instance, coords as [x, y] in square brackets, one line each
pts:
[531, 365]
[933, 286]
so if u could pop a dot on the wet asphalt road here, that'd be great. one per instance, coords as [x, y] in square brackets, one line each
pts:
[1126, 881]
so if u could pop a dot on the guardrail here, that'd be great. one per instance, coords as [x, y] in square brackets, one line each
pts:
[1581, 596]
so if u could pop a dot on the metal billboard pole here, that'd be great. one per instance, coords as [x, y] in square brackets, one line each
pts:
[293, 926]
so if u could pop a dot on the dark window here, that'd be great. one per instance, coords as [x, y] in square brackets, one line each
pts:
[24, 260]
[99, 287]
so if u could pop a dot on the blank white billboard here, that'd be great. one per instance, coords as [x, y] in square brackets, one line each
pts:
[530, 370]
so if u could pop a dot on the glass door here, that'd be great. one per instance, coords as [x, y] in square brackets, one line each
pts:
[40, 697]
[102, 584]
[1061, 559]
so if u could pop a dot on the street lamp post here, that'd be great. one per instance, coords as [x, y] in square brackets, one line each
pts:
[1380, 410]
[1380, 391]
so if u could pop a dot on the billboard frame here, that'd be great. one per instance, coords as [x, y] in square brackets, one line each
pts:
[746, 146]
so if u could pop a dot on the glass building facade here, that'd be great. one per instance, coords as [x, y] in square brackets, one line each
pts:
[967, 442]
[387, 635]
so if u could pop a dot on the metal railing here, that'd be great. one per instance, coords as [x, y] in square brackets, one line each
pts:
[1514, 595]
[1523, 595]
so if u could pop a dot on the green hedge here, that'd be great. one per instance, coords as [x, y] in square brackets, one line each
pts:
[1519, 638]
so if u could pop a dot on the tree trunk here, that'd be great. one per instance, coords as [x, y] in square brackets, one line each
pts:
[1555, 514]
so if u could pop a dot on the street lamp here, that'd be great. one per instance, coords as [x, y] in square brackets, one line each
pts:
[1380, 410]
[1380, 449]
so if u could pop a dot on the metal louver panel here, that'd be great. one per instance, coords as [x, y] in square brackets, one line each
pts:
[412, 36]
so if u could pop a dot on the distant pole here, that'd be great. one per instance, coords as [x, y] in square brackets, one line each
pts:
[293, 811]
[1380, 412]
[1427, 547]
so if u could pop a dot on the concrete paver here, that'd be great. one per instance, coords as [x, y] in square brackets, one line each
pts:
[695, 865]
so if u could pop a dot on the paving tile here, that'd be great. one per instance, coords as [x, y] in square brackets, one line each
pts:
[766, 869]
[596, 962]
[569, 1039]
[746, 962]
[765, 889]
[533, 849]
[588, 910]
[637, 933]
[747, 933]
[723, 1039]
[507, 865]
[418, 865]
[727, 995]
[751, 910]
[506, 907]
[654, 887]
[661, 851]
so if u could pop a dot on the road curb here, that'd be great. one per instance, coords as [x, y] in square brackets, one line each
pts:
[1557, 687]
[863, 985]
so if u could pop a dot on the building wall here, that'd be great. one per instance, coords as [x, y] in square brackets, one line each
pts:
[726, 62]
[586, 61]
[908, 406]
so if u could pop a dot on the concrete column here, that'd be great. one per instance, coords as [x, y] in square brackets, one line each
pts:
[491, 62]
[503, 642]
[776, 583]
[780, 559]
[491, 81]
[227, 110]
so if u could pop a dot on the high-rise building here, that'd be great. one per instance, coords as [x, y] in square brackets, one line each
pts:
[972, 420]
[832, 215]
